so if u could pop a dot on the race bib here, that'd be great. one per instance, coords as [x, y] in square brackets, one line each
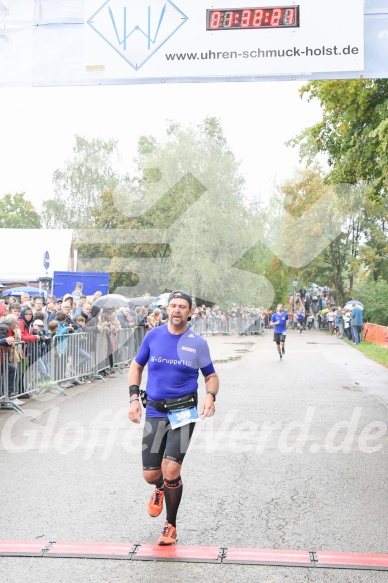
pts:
[181, 417]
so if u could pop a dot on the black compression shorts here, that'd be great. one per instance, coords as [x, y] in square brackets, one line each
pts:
[279, 337]
[161, 442]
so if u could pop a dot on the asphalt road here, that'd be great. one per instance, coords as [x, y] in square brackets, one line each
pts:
[295, 458]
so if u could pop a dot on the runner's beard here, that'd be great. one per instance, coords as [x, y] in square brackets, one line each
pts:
[175, 323]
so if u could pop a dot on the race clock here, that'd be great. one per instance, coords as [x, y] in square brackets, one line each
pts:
[253, 18]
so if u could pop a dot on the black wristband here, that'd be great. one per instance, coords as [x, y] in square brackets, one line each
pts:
[134, 390]
[212, 394]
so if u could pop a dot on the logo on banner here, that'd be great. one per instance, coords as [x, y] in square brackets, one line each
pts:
[136, 30]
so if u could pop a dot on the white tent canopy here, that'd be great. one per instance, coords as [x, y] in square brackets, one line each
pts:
[24, 249]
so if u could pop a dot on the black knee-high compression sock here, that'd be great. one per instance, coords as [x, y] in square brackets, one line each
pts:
[172, 494]
[159, 482]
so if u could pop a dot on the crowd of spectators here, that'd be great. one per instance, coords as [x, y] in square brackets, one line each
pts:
[31, 330]
[31, 327]
[320, 311]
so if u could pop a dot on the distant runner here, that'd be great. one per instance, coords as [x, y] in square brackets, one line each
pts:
[280, 321]
[300, 318]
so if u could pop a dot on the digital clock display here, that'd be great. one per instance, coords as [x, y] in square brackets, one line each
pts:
[248, 18]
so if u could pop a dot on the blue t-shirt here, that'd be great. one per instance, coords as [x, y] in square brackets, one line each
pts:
[173, 364]
[300, 315]
[280, 320]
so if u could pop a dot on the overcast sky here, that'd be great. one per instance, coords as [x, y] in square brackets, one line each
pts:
[38, 126]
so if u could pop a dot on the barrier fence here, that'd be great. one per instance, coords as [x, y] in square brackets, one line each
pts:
[376, 334]
[229, 326]
[30, 367]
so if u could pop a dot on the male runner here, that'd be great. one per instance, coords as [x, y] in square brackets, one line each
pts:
[300, 319]
[174, 354]
[280, 321]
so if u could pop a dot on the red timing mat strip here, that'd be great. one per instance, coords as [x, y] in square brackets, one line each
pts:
[365, 560]
[177, 553]
[90, 549]
[267, 556]
[23, 548]
[129, 551]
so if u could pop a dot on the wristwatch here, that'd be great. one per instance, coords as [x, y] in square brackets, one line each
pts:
[212, 394]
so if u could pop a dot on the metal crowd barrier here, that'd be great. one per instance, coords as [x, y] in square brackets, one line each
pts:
[7, 378]
[22, 365]
[229, 326]
[67, 358]
[70, 356]
[87, 354]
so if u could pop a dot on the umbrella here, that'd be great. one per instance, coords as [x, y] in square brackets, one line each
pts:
[162, 300]
[349, 305]
[142, 301]
[111, 301]
[18, 291]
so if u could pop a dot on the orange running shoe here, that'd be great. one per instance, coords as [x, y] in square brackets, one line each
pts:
[168, 536]
[155, 503]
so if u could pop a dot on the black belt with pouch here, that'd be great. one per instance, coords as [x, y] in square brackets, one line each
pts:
[166, 405]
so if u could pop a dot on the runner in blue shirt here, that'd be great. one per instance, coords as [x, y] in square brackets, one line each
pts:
[300, 317]
[174, 354]
[280, 321]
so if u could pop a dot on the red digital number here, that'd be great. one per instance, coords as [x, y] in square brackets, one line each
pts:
[228, 21]
[289, 17]
[258, 18]
[246, 18]
[253, 18]
[277, 15]
[215, 19]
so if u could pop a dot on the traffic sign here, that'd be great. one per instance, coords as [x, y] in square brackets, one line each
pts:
[46, 260]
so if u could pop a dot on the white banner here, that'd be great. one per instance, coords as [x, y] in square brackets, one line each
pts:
[134, 39]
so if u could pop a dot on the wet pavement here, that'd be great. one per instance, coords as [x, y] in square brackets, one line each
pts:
[295, 458]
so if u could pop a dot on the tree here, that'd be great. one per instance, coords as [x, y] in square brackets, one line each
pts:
[190, 197]
[323, 229]
[374, 296]
[353, 132]
[18, 213]
[374, 252]
[78, 187]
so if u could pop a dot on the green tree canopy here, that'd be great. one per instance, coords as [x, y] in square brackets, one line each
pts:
[191, 193]
[353, 132]
[374, 296]
[79, 185]
[18, 213]
[353, 135]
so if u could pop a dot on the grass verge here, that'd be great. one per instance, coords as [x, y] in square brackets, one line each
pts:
[373, 351]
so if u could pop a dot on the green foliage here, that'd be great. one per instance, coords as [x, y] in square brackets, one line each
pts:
[353, 132]
[191, 190]
[204, 209]
[79, 185]
[353, 135]
[18, 213]
[116, 252]
[374, 296]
